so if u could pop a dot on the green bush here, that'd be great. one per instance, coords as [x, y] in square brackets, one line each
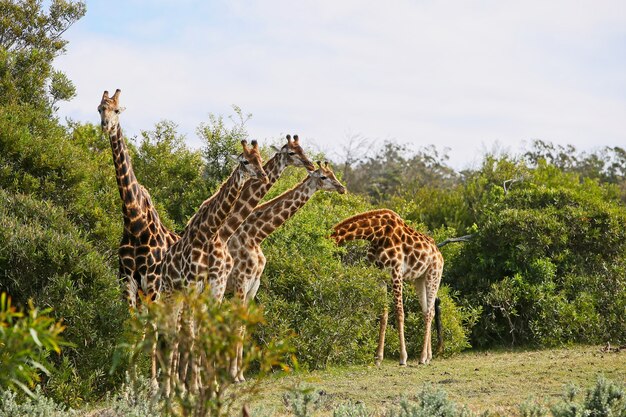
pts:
[44, 257]
[547, 261]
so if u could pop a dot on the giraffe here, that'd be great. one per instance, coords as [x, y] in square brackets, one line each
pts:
[252, 192]
[220, 260]
[245, 244]
[186, 263]
[145, 239]
[410, 255]
[191, 262]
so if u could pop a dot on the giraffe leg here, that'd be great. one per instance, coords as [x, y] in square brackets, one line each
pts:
[380, 352]
[427, 288]
[397, 296]
[422, 293]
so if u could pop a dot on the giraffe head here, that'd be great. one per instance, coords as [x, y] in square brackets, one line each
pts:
[294, 155]
[325, 179]
[110, 110]
[250, 161]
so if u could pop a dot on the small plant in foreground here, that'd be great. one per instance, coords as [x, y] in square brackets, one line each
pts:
[36, 406]
[197, 339]
[606, 398]
[431, 403]
[25, 340]
[302, 401]
[351, 409]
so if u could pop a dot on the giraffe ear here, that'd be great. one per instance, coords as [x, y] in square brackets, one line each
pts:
[275, 148]
[121, 109]
[314, 174]
[234, 158]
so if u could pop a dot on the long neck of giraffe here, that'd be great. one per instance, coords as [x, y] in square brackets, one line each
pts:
[271, 215]
[214, 211]
[369, 226]
[252, 192]
[129, 188]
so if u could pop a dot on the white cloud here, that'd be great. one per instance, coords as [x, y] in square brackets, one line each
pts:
[456, 74]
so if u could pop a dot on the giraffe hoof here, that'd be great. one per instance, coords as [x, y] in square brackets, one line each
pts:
[403, 363]
[378, 362]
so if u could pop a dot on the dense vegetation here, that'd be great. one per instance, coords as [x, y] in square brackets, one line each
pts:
[546, 265]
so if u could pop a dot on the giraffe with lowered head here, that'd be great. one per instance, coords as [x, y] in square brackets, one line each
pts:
[145, 239]
[410, 255]
[245, 244]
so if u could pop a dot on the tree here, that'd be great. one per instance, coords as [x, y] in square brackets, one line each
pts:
[30, 40]
[172, 172]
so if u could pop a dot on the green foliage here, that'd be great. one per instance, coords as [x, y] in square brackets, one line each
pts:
[25, 340]
[606, 398]
[302, 401]
[211, 346]
[44, 257]
[30, 39]
[171, 172]
[37, 406]
[38, 157]
[220, 142]
[431, 402]
[547, 260]
[351, 409]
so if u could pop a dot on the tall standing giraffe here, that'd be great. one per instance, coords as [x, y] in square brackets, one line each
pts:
[191, 262]
[145, 239]
[245, 244]
[254, 189]
[252, 192]
[410, 255]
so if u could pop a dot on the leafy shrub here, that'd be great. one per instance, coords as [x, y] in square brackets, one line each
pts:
[44, 257]
[210, 344]
[606, 398]
[351, 409]
[25, 340]
[430, 403]
[37, 406]
[545, 257]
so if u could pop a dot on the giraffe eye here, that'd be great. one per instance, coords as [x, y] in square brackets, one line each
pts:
[324, 177]
[117, 111]
[246, 162]
[291, 153]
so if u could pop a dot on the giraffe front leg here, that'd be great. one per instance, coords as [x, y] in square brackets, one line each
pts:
[380, 352]
[397, 295]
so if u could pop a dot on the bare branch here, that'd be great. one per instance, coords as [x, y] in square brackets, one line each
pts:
[465, 238]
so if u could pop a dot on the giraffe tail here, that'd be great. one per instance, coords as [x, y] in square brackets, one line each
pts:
[438, 326]
[365, 226]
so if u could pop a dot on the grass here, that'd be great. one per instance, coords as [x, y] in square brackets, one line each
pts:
[495, 381]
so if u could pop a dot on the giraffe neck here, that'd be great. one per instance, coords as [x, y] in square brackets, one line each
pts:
[129, 188]
[371, 225]
[214, 211]
[269, 216]
[251, 193]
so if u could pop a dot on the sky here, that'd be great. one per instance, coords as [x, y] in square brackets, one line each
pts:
[467, 76]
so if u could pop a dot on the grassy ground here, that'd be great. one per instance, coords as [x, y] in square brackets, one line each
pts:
[496, 380]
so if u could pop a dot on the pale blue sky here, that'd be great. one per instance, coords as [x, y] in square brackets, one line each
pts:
[458, 74]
